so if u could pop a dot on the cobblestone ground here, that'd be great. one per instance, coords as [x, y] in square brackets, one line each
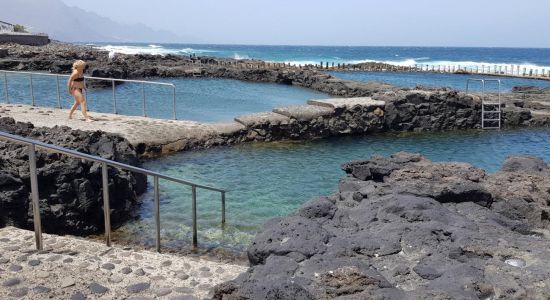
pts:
[75, 268]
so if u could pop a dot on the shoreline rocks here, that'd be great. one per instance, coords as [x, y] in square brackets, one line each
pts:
[70, 190]
[404, 227]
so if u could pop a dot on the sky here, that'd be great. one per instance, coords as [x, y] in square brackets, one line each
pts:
[487, 23]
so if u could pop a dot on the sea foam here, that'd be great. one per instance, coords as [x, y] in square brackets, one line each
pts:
[150, 49]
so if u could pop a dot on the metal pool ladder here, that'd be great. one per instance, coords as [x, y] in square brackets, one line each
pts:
[491, 112]
[105, 164]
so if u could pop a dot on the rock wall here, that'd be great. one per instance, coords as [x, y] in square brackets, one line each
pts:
[406, 228]
[70, 190]
[414, 110]
[25, 39]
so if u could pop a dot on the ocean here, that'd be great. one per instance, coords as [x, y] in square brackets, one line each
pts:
[530, 58]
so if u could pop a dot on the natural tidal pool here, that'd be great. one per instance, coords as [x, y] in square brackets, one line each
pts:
[455, 81]
[266, 180]
[203, 100]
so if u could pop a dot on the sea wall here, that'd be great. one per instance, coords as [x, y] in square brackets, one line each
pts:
[24, 39]
[404, 227]
[70, 190]
[394, 111]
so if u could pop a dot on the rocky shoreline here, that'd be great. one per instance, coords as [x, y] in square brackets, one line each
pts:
[404, 227]
[70, 190]
[399, 227]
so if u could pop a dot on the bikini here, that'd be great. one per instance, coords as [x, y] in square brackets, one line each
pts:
[79, 79]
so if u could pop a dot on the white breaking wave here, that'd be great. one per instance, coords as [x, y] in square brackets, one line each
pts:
[191, 51]
[480, 65]
[462, 64]
[150, 49]
[239, 57]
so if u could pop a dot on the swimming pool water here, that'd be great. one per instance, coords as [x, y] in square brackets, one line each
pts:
[203, 100]
[455, 81]
[266, 180]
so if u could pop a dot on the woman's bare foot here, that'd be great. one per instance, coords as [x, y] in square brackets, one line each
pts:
[70, 117]
[89, 120]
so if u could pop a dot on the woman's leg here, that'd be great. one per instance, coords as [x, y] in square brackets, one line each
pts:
[75, 105]
[83, 106]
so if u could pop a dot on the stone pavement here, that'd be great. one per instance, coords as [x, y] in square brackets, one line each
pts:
[75, 268]
[135, 129]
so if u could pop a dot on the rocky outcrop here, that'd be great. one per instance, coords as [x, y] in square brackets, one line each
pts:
[404, 227]
[70, 190]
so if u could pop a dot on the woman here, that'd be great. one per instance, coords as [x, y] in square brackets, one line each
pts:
[76, 87]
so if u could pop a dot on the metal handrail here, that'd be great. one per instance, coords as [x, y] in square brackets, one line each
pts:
[113, 80]
[483, 96]
[105, 163]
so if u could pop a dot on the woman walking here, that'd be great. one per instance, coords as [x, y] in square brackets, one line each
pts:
[76, 87]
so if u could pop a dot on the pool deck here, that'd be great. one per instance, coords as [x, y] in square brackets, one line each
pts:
[135, 129]
[76, 268]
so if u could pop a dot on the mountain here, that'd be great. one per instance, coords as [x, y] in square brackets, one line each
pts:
[72, 24]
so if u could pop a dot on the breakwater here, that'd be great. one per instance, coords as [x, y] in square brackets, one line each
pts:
[412, 110]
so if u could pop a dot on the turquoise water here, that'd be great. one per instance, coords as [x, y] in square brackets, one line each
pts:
[455, 81]
[266, 180]
[204, 100]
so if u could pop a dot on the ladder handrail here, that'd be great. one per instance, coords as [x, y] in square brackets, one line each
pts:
[33, 144]
[483, 97]
[112, 80]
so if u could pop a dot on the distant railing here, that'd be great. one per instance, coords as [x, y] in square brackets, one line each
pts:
[105, 163]
[112, 80]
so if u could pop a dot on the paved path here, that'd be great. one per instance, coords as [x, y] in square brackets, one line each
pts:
[75, 268]
[135, 129]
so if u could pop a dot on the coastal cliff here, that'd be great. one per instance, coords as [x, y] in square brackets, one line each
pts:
[404, 227]
[70, 190]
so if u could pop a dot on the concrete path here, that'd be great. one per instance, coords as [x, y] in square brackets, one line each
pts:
[75, 268]
[347, 102]
[134, 128]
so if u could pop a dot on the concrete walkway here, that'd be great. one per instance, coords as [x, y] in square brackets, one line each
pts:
[75, 268]
[176, 135]
[134, 128]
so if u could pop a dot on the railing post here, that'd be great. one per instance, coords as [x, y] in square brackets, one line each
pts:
[174, 101]
[58, 92]
[223, 208]
[6, 87]
[114, 97]
[106, 206]
[157, 211]
[32, 90]
[143, 98]
[194, 208]
[34, 198]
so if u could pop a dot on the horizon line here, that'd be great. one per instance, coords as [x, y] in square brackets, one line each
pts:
[304, 45]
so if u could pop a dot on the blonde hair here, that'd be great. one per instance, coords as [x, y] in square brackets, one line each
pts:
[78, 63]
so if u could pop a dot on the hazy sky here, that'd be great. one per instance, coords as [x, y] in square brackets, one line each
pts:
[506, 23]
